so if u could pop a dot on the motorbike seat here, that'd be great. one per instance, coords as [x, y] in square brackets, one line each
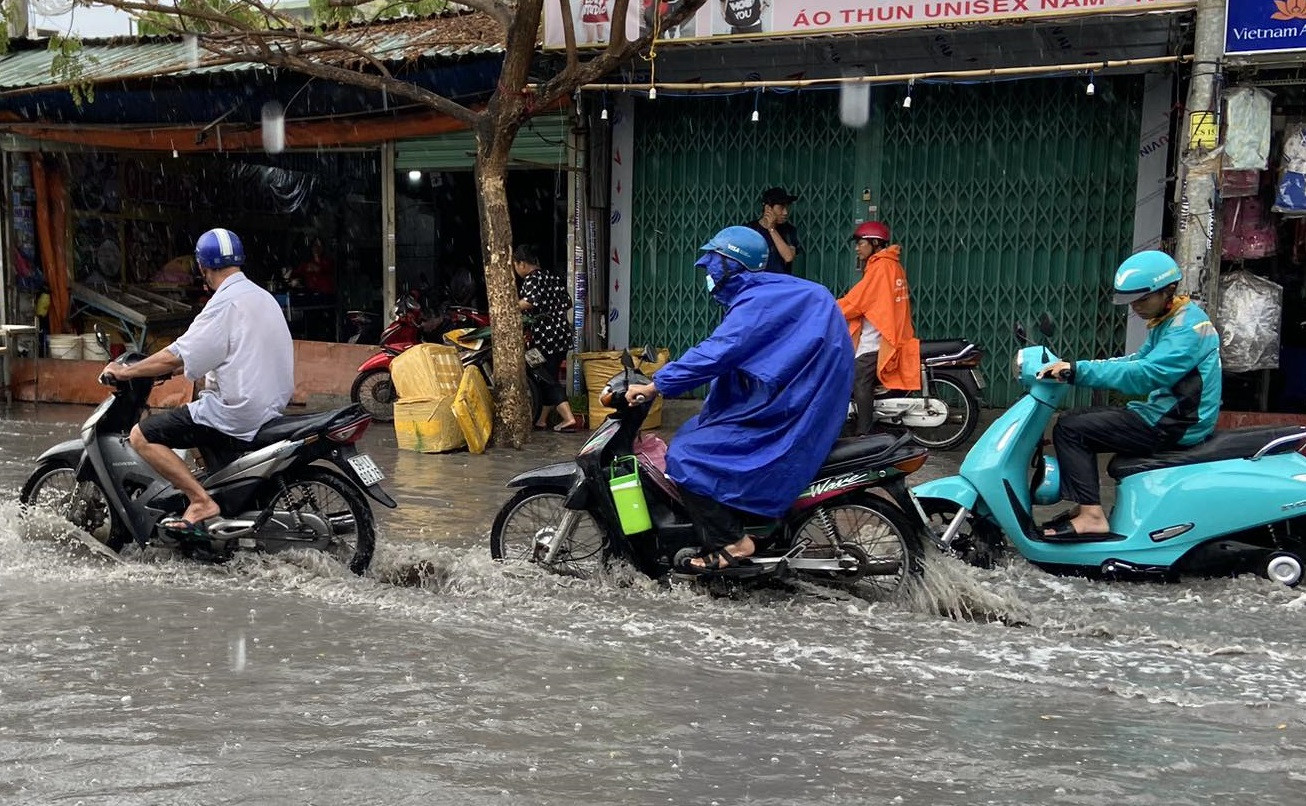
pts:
[935, 349]
[293, 427]
[853, 452]
[1236, 443]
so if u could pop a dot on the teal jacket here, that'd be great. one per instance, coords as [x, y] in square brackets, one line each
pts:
[1178, 368]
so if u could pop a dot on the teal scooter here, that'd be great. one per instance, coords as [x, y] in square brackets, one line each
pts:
[1234, 504]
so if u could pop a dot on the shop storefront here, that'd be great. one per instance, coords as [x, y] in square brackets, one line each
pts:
[1013, 187]
[1260, 223]
[105, 197]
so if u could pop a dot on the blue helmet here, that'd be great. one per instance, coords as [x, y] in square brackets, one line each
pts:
[219, 249]
[1143, 273]
[744, 245]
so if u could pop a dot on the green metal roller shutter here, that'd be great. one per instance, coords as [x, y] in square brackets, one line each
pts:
[1009, 200]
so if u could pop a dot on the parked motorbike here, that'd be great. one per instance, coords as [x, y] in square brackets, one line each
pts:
[1232, 504]
[373, 388]
[366, 327]
[564, 516]
[944, 413]
[283, 494]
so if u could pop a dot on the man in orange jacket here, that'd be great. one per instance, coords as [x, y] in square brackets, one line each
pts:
[878, 310]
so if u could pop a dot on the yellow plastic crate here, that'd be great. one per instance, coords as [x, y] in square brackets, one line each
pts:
[599, 367]
[426, 372]
[473, 407]
[427, 425]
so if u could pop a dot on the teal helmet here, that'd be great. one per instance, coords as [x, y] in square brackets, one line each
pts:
[1143, 273]
[1048, 491]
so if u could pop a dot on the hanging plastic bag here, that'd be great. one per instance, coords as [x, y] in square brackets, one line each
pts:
[1247, 129]
[1249, 320]
[1290, 194]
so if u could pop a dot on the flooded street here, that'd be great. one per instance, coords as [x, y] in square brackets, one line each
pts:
[285, 680]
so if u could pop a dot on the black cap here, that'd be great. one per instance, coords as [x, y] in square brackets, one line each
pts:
[778, 195]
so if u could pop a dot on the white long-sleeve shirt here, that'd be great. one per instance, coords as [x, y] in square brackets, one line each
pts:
[240, 345]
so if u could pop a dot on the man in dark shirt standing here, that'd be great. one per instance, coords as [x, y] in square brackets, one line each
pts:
[781, 236]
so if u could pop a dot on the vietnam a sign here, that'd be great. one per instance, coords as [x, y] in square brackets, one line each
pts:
[592, 19]
[1264, 26]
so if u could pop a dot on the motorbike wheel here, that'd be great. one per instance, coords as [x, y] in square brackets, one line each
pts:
[873, 524]
[978, 543]
[53, 485]
[331, 499]
[1285, 568]
[375, 392]
[534, 512]
[963, 416]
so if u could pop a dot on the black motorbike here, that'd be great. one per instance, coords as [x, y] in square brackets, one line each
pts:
[565, 518]
[303, 485]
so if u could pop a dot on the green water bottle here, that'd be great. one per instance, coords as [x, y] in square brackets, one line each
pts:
[628, 495]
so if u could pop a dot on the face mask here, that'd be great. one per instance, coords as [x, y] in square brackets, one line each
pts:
[711, 284]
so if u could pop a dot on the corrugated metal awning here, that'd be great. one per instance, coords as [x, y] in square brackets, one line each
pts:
[446, 37]
[542, 143]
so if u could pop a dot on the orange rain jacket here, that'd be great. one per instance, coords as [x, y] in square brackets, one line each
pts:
[882, 297]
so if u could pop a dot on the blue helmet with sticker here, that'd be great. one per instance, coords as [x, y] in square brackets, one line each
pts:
[219, 249]
[744, 245]
[1144, 273]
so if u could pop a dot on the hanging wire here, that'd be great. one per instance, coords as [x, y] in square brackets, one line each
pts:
[652, 57]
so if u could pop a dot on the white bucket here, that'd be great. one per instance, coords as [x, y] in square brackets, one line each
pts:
[91, 349]
[66, 345]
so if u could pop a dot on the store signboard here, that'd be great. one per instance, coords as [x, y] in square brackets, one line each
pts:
[1264, 26]
[592, 19]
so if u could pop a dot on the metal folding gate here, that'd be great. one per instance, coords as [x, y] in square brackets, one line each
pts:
[1009, 199]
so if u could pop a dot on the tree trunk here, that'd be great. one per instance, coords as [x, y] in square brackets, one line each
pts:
[512, 415]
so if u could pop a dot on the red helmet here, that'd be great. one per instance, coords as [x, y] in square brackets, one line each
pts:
[872, 229]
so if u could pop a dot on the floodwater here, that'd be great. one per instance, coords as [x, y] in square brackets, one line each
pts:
[285, 680]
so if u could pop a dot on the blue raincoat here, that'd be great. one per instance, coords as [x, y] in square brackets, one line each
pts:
[781, 368]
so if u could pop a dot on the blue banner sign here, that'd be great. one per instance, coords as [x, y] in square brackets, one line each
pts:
[1264, 26]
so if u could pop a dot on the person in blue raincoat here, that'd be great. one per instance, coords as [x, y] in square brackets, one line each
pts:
[781, 371]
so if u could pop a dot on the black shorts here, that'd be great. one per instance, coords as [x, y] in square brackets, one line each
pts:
[719, 525]
[175, 429]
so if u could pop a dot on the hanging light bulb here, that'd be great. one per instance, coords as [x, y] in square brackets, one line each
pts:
[604, 114]
[906, 102]
[1090, 89]
[652, 93]
[757, 97]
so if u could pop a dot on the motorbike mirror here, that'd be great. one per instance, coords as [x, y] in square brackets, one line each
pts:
[626, 360]
[1021, 335]
[101, 338]
[1046, 326]
[650, 354]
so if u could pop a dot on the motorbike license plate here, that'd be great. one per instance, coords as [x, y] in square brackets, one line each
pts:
[979, 378]
[366, 469]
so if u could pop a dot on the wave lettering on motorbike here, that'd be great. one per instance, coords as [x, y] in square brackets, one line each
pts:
[830, 485]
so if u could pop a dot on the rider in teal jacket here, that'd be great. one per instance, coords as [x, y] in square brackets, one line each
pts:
[1178, 368]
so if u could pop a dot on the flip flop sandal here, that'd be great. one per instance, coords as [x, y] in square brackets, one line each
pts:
[185, 528]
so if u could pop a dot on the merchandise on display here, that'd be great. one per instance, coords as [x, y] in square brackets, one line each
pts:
[1249, 319]
[1247, 129]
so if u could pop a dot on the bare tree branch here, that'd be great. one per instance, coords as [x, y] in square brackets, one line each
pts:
[613, 56]
[569, 37]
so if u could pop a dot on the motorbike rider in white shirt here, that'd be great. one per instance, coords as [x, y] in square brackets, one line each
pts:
[240, 345]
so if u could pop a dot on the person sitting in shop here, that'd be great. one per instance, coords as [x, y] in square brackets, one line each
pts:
[318, 273]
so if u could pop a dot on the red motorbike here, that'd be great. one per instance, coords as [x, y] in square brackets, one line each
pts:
[373, 389]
